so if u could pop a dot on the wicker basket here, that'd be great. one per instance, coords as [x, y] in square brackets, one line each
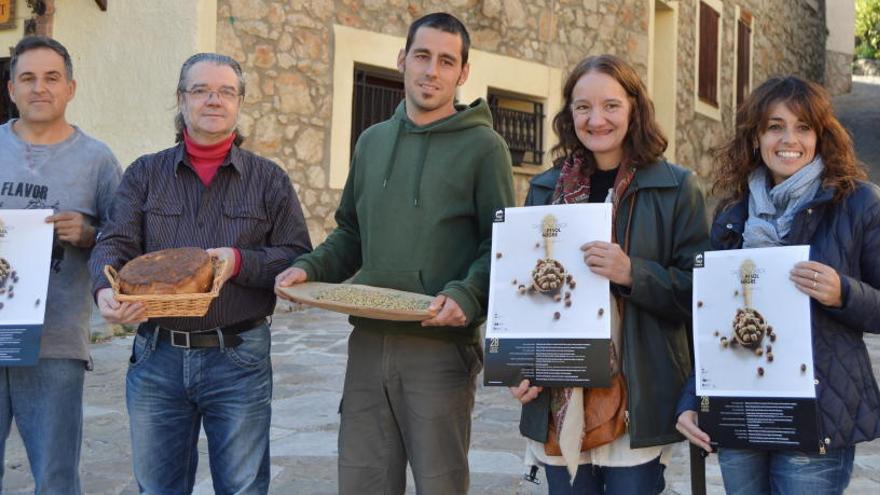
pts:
[168, 305]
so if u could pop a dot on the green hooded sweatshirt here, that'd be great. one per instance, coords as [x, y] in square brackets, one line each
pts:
[416, 214]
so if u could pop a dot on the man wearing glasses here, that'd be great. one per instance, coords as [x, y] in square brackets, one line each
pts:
[212, 371]
[45, 162]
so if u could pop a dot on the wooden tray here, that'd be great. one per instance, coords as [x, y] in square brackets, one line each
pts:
[306, 293]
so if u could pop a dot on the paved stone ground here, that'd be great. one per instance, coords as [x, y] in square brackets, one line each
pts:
[308, 356]
[859, 112]
[309, 360]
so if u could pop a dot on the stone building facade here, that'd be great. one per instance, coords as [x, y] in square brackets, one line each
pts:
[300, 57]
[288, 52]
[788, 38]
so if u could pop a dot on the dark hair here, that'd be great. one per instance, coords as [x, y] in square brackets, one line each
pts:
[36, 42]
[213, 58]
[811, 103]
[644, 143]
[447, 23]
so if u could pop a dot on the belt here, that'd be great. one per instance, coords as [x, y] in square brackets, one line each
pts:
[207, 338]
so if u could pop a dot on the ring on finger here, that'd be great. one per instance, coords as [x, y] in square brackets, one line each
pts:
[814, 284]
[815, 275]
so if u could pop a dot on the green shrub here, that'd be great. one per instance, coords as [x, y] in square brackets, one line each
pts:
[865, 51]
[867, 29]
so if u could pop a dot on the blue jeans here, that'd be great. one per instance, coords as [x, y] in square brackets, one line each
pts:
[757, 472]
[171, 392]
[644, 479]
[46, 402]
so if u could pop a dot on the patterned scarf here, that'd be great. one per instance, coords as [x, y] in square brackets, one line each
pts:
[772, 209]
[573, 185]
[567, 404]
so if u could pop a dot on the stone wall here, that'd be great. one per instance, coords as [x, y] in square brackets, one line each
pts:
[838, 72]
[286, 50]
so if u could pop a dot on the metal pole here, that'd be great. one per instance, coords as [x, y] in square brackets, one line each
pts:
[698, 470]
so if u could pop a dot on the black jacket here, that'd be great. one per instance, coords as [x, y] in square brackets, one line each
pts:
[846, 237]
[668, 229]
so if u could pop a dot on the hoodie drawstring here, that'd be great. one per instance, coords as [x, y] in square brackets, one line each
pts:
[390, 166]
[420, 166]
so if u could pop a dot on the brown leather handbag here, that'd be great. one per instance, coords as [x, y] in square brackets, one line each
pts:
[605, 411]
[604, 415]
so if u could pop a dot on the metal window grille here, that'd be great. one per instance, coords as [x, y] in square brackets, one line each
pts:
[7, 108]
[375, 98]
[523, 131]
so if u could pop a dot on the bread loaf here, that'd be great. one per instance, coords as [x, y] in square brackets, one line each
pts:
[169, 271]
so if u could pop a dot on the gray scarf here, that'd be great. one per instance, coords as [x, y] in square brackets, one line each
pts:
[772, 210]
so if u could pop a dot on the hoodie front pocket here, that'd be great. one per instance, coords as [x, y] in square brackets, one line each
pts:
[408, 280]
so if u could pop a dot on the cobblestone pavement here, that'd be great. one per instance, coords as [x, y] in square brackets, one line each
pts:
[308, 357]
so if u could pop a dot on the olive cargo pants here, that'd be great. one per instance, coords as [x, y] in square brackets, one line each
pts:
[406, 399]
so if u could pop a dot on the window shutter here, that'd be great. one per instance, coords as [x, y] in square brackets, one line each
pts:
[707, 88]
[743, 53]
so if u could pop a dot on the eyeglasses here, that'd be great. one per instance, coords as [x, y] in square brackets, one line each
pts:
[203, 94]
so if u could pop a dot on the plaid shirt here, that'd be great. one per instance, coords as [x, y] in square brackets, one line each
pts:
[250, 205]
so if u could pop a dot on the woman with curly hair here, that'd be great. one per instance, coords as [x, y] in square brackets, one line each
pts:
[611, 150]
[790, 176]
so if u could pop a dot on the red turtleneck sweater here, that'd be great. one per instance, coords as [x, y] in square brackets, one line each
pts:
[206, 160]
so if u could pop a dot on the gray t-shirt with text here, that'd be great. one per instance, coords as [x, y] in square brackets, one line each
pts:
[78, 174]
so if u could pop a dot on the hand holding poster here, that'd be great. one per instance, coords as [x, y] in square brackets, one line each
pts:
[753, 349]
[25, 251]
[549, 315]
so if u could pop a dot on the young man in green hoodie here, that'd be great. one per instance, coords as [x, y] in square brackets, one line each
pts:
[416, 214]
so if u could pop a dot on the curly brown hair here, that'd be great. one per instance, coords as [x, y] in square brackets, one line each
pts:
[811, 104]
[644, 143]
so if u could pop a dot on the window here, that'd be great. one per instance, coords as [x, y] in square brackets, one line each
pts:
[7, 14]
[7, 108]
[521, 123]
[707, 89]
[376, 95]
[707, 58]
[743, 56]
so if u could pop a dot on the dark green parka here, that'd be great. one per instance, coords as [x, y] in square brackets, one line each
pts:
[668, 228]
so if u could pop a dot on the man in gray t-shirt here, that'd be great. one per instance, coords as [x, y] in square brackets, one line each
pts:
[48, 163]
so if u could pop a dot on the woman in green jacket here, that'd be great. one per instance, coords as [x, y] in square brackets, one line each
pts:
[611, 149]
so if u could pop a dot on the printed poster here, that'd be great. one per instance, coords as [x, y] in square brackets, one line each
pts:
[753, 350]
[549, 315]
[25, 252]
